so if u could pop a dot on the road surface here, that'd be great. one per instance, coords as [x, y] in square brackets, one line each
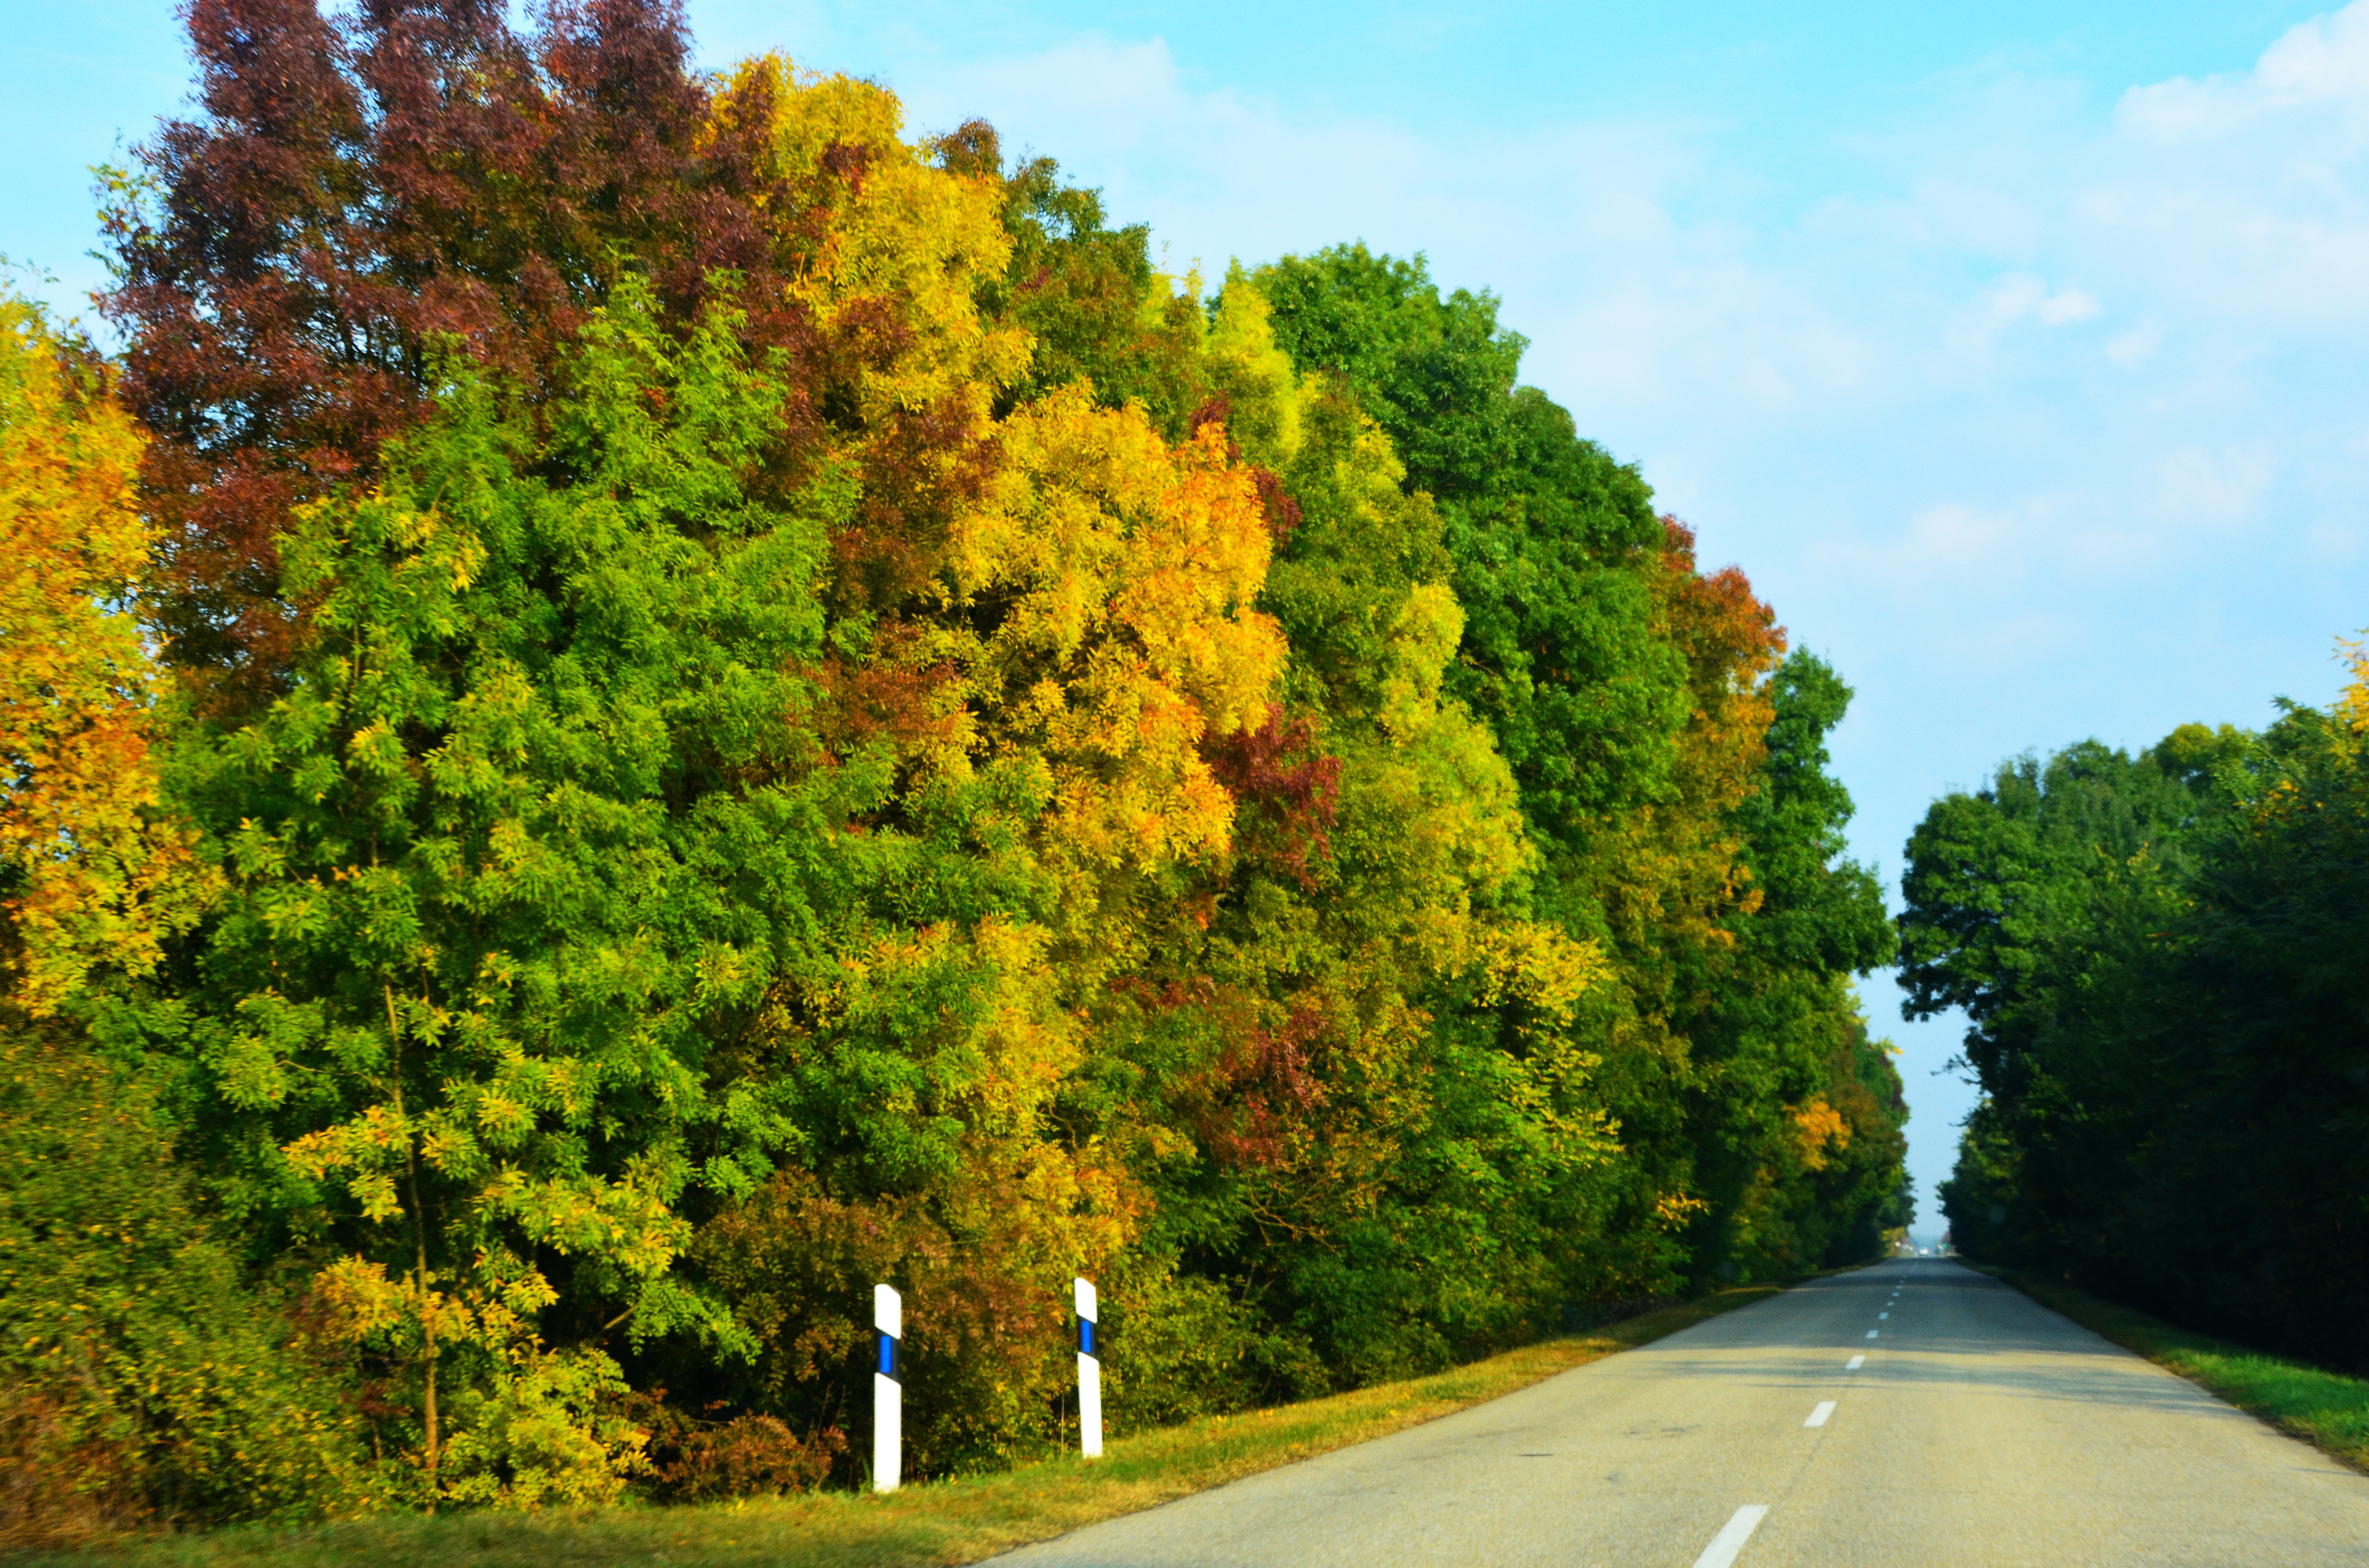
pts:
[1979, 1428]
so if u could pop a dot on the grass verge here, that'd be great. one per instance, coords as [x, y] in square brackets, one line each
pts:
[2327, 1409]
[931, 1526]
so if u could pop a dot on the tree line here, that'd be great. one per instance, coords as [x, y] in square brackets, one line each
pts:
[637, 702]
[2164, 963]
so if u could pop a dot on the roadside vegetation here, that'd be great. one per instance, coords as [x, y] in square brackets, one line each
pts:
[935, 1525]
[2161, 959]
[2330, 1410]
[640, 700]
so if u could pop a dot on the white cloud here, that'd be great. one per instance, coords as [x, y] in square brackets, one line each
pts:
[1220, 173]
[2133, 348]
[2015, 297]
[2067, 306]
[2241, 196]
[2216, 488]
[1953, 537]
[1640, 314]
[1574, 224]
[2324, 61]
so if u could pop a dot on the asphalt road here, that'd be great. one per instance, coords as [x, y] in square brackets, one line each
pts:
[1980, 1428]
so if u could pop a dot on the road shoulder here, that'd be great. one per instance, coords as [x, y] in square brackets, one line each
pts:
[2328, 1410]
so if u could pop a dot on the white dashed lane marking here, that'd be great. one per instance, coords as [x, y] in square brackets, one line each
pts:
[1818, 1416]
[1730, 1541]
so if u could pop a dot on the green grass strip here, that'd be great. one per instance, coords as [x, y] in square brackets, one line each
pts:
[933, 1524]
[2327, 1409]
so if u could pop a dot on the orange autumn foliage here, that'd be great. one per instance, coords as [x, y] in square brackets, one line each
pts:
[1675, 868]
[885, 253]
[1125, 575]
[76, 679]
[1820, 1131]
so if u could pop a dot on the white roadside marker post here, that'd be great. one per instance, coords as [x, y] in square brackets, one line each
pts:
[1090, 1373]
[887, 1393]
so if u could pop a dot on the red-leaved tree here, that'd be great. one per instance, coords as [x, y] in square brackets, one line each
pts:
[357, 193]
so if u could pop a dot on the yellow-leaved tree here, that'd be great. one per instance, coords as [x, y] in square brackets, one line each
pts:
[1124, 576]
[92, 878]
[1039, 616]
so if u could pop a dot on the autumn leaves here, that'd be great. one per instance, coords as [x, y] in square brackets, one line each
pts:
[757, 707]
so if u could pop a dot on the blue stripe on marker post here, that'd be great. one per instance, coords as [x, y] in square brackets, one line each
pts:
[1090, 1373]
[887, 1393]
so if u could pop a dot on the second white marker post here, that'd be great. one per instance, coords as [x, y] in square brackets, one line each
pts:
[1090, 1373]
[887, 1391]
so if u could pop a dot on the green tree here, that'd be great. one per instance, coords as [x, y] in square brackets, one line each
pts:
[1624, 688]
[2031, 905]
[1097, 308]
[1397, 1143]
[1552, 544]
[871, 733]
[1799, 1118]
[509, 870]
[150, 1377]
[2247, 1030]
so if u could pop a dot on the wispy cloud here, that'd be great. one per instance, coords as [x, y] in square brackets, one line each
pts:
[2137, 321]
[2323, 62]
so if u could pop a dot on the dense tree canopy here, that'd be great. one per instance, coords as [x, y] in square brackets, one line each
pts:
[1672, 781]
[641, 701]
[2159, 958]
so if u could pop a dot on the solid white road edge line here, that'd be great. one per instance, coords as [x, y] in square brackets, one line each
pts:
[1730, 1541]
[1818, 1416]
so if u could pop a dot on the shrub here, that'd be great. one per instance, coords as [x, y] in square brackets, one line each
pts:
[545, 1427]
[144, 1379]
[696, 1460]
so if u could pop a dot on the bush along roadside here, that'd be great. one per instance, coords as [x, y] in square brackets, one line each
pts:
[936, 1522]
[2328, 1410]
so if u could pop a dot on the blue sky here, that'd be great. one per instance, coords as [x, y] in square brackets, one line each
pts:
[2014, 350]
